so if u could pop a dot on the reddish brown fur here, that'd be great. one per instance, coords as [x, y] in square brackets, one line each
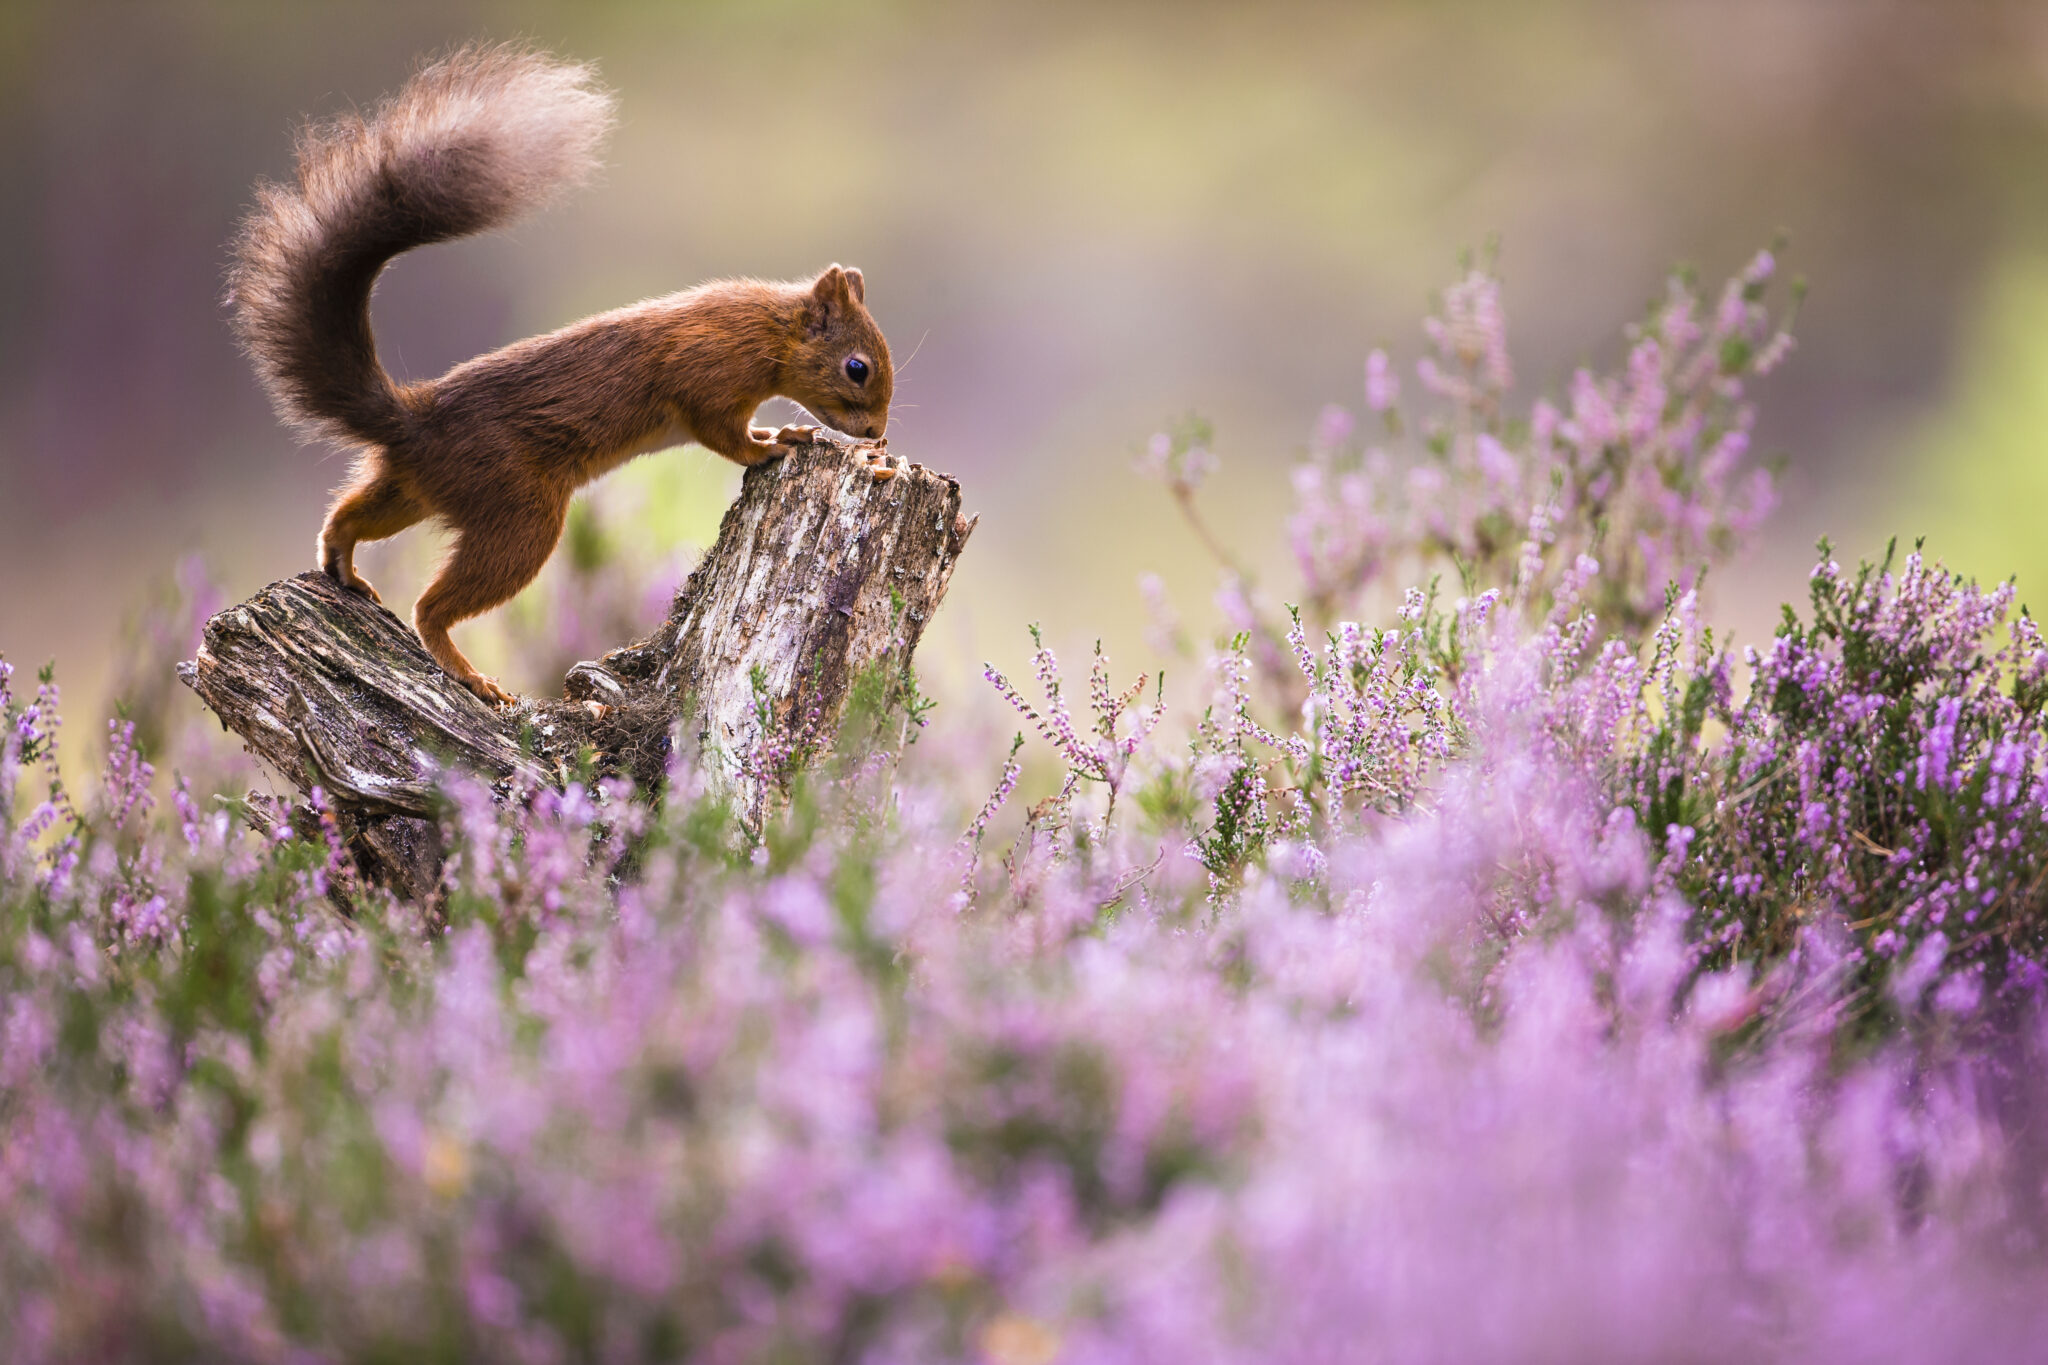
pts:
[498, 445]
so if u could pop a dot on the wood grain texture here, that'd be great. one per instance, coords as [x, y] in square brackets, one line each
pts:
[819, 572]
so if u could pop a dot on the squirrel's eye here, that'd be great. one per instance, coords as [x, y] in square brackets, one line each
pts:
[857, 370]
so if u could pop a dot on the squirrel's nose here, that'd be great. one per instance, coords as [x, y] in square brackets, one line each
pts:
[874, 429]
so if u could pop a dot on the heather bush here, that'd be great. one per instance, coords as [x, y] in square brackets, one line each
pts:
[1494, 968]
[1644, 471]
[1884, 764]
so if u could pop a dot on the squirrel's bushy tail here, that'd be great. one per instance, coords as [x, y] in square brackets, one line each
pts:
[471, 142]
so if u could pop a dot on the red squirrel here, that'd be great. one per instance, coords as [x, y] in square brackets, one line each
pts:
[498, 445]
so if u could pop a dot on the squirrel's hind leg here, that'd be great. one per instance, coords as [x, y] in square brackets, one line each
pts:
[489, 565]
[374, 507]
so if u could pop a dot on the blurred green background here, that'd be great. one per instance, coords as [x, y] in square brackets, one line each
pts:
[1083, 220]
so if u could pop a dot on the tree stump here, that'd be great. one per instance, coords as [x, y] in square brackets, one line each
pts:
[820, 573]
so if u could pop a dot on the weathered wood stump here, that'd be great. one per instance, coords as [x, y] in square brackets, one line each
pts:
[820, 572]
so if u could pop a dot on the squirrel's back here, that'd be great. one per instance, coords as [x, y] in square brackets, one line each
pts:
[470, 143]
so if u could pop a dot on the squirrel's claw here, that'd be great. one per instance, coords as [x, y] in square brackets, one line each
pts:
[488, 691]
[796, 436]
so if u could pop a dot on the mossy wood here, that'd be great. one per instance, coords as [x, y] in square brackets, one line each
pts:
[820, 572]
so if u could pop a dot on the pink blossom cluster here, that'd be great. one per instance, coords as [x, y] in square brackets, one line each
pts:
[1647, 469]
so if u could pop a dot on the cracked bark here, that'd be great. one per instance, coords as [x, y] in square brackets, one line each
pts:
[819, 573]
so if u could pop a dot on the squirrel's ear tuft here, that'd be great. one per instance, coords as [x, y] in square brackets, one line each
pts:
[831, 287]
[855, 285]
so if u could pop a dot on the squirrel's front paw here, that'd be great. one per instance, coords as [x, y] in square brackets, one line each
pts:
[880, 463]
[488, 691]
[796, 436]
[351, 581]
